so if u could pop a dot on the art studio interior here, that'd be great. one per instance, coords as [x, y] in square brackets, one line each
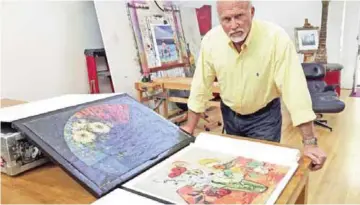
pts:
[169, 102]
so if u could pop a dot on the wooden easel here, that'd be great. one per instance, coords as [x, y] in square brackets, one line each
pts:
[309, 56]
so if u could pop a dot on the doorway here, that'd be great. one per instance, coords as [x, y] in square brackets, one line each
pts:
[356, 84]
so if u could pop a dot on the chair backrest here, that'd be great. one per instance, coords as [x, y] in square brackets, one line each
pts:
[314, 71]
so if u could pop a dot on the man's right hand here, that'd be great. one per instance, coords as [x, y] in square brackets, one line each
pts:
[192, 121]
[187, 129]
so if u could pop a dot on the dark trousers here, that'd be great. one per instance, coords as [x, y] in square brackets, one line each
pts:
[265, 124]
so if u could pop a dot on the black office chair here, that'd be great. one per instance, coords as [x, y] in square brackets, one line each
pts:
[323, 96]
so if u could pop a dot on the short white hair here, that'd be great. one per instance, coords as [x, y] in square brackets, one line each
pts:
[250, 2]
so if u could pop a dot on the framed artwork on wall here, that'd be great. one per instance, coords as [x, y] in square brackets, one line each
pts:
[306, 39]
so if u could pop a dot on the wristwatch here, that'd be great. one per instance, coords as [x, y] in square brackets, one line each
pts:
[312, 141]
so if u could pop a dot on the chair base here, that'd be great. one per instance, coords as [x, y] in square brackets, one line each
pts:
[209, 124]
[323, 123]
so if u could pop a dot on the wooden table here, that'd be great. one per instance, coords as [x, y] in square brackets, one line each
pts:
[181, 83]
[177, 83]
[49, 184]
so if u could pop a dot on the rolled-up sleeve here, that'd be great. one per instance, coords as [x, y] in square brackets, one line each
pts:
[201, 86]
[291, 82]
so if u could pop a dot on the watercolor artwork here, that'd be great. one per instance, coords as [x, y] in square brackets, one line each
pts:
[200, 176]
[106, 142]
[164, 41]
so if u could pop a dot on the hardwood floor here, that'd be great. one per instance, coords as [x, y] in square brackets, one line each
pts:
[338, 182]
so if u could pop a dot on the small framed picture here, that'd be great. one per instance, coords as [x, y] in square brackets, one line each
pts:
[307, 39]
[164, 43]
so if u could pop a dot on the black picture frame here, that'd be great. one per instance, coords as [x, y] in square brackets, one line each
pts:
[81, 178]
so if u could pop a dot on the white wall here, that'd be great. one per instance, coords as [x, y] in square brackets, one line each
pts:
[291, 14]
[119, 45]
[288, 14]
[350, 46]
[42, 46]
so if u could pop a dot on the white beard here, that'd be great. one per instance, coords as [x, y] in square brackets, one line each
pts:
[238, 39]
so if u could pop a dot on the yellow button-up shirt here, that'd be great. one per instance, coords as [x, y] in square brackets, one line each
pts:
[266, 68]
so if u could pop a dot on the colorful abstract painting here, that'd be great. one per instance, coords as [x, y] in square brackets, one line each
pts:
[159, 38]
[106, 142]
[200, 176]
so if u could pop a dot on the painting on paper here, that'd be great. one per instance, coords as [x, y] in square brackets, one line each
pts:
[203, 177]
[165, 44]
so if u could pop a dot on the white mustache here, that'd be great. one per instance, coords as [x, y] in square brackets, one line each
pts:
[241, 31]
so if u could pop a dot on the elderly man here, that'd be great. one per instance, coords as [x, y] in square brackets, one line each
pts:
[255, 63]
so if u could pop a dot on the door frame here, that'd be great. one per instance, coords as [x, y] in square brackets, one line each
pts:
[356, 76]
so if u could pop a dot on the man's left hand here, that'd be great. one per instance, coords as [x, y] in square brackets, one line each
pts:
[317, 156]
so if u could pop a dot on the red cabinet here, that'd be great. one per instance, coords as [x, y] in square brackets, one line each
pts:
[204, 19]
[333, 76]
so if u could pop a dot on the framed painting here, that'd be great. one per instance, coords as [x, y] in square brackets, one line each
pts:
[164, 41]
[106, 142]
[159, 37]
[306, 39]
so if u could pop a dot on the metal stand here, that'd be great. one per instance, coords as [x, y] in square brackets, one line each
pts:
[323, 123]
[207, 126]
